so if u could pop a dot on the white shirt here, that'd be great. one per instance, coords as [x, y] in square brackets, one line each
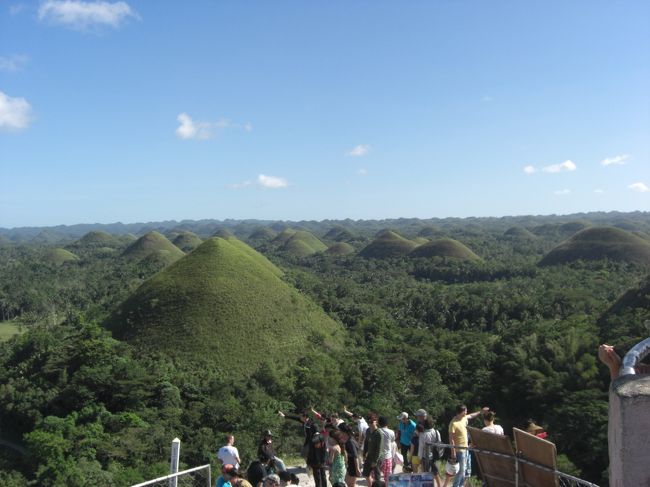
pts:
[385, 447]
[427, 436]
[228, 454]
[362, 425]
[494, 428]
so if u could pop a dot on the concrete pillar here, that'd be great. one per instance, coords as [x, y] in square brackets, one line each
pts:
[629, 431]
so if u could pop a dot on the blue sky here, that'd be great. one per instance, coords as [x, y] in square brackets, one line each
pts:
[143, 111]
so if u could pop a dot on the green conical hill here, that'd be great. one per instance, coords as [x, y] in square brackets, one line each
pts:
[600, 243]
[387, 244]
[263, 234]
[255, 255]
[571, 228]
[97, 239]
[445, 247]
[339, 234]
[340, 248]
[152, 243]
[187, 241]
[302, 244]
[59, 256]
[420, 240]
[222, 232]
[519, 233]
[284, 236]
[220, 305]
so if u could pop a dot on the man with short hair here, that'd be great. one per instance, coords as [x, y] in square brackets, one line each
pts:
[257, 470]
[236, 480]
[385, 460]
[228, 454]
[352, 455]
[405, 433]
[420, 416]
[371, 453]
[458, 438]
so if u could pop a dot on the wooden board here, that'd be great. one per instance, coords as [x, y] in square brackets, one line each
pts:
[497, 471]
[542, 452]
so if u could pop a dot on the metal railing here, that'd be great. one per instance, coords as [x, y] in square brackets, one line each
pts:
[635, 355]
[564, 479]
[193, 477]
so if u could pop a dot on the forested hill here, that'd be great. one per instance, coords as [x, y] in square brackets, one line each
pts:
[93, 389]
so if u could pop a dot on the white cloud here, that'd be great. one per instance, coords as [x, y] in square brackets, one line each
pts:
[272, 182]
[243, 185]
[530, 169]
[617, 160]
[80, 15]
[565, 166]
[563, 191]
[640, 187]
[359, 150]
[598, 191]
[362, 172]
[13, 63]
[15, 113]
[194, 129]
[189, 129]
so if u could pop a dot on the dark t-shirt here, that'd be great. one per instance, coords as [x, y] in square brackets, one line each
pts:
[415, 441]
[256, 472]
[352, 449]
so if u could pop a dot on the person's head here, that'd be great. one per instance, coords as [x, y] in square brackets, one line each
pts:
[488, 417]
[285, 477]
[230, 439]
[403, 417]
[428, 424]
[228, 471]
[379, 483]
[419, 429]
[339, 484]
[271, 481]
[336, 437]
[318, 440]
[356, 417]
[304, 415]
[461, 410]
[420, 415]
[267, 436]
[372, 422]
[264, 458]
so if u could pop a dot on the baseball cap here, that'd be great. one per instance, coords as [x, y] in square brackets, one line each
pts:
[421, 412]
[403, 415]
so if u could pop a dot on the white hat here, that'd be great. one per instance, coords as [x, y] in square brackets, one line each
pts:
[403, 416]
[452, 468]
[421, 412]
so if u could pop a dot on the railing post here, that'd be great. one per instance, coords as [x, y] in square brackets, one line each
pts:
[176, 451]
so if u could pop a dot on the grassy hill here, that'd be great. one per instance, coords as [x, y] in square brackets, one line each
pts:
[600, 243]
[340, 248]
[339, 234]
[255, 255]
[430, 231]
[302, 243]
[97, 239]
[444, 247]
[156, 244]
[220, 304]
[222, 232]
[59, 256]
[187, 241]
[263, 234]
[284, 236]
[387, 244]
[519, 233]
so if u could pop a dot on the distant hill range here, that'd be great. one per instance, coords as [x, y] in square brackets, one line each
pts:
[552, 227]
[225, 304]
[597, 243]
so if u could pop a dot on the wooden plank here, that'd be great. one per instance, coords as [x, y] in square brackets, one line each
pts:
[539, 451]
[496, 471]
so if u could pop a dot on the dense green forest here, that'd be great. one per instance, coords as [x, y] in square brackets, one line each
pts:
[376, 315]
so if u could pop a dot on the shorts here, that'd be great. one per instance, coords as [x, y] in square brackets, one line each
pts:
[415, 461]
[368, 469]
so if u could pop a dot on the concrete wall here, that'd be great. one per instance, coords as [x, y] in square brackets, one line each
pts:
[629, 431]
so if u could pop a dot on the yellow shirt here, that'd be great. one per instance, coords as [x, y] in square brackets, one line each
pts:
[458, 431]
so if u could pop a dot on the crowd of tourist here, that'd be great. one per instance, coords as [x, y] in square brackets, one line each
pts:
[342, 451]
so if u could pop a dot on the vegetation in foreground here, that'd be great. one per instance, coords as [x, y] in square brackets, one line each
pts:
[419, 332]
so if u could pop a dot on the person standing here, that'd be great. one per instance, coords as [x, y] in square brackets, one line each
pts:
[309, 428]
[405, 432]
[337, 457]
[371, 452]
[352, 455]
[490, 427]
[458, 438]
[317, 458]
[427, 451]
[385, 460]
[228, 454]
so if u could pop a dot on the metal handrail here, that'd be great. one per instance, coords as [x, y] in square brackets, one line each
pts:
[519, 460]
[636, 354]
[175, 475]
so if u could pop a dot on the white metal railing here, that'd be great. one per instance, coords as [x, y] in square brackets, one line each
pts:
[176, 476]
[636, 354]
